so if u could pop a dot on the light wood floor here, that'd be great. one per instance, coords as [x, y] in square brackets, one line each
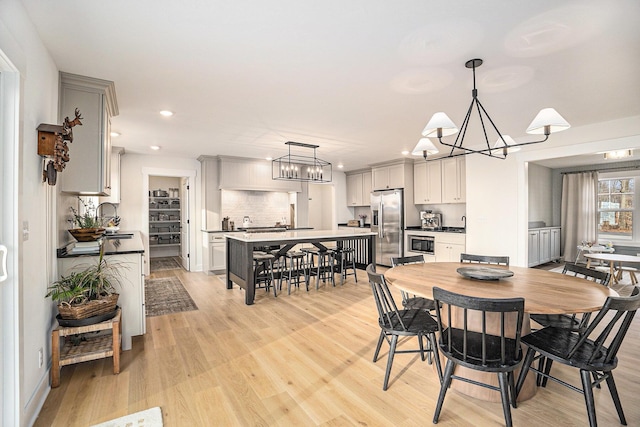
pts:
[303, 359]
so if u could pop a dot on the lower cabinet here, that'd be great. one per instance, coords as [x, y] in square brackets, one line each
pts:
[131, 290]
[449, 246]
[217, 252]
[543, 245]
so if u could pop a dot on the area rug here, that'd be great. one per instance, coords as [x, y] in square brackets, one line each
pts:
[165, 263]
[166, 295]
[148, 418]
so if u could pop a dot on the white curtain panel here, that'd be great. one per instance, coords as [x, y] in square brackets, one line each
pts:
[579, 215]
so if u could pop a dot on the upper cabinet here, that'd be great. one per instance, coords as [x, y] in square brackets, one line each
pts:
[385, 177]
[427, 182]
[359, 189]
[114, 197]
[454, 186]
[250, 174]
[88, 171]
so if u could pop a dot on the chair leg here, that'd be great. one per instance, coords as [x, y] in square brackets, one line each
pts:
[448, 371]
[512, 389]
[547, 370]
[392, 352]
[436, 354]
[585, 376]
[421, 343]
[375, 355]
[504, 395]
[539, 377]
[616, 398]
[524, 370]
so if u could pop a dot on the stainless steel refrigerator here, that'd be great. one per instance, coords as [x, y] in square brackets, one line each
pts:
[387, 219]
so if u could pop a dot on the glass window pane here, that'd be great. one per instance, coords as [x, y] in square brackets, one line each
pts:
[616, 222]
[627, 201]
[603, 186]
[603, 201]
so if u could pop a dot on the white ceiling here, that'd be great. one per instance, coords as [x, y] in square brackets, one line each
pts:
[359, 78]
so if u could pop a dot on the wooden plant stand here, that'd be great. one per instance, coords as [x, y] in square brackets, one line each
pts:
[99, 347]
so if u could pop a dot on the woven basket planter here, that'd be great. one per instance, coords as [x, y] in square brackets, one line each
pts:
[89, 309]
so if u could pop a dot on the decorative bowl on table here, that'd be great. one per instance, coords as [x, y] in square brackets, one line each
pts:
[86, 234]
[484, 273]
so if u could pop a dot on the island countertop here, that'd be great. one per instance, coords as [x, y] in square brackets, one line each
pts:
[129, 243]
[295, 235]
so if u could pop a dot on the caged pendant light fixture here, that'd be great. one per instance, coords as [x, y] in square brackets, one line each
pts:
[293, 167]
[546, 122]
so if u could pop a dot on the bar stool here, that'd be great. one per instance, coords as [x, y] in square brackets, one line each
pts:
[264, 261]
[297, 267]
[324, 268]
[347, 261]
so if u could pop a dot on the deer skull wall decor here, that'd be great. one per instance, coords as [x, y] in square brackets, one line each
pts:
[52, 144]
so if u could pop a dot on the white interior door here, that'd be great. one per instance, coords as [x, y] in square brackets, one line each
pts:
[9, 333]
[184, 223]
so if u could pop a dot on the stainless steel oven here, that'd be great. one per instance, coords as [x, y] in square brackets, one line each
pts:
[422, 244]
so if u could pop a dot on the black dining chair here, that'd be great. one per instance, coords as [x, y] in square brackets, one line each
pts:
[572, 321]
[593, 357]
[485, 259]
[408, 300]
[396, 323]
[478, 346]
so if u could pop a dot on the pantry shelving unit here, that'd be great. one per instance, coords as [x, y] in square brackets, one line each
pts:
[164, 224]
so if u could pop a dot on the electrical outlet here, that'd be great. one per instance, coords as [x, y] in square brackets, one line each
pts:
[40, 358]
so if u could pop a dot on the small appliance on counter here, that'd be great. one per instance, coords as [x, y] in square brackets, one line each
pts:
[431, 221]
[225, 224]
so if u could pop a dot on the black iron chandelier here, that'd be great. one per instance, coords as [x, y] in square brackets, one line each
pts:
[546, 122]
[294, 167]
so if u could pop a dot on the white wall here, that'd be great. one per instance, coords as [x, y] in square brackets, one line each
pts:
[20, 43]
[134, 201]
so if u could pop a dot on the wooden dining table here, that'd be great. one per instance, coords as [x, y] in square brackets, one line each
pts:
[612, 259]
[544, 292]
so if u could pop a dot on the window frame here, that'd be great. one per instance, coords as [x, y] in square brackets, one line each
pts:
[635, 212]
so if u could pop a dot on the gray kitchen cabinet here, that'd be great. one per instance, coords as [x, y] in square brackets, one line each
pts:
[88, 171]
[427, 182]
[543, 245]
[453, 180]
[534, 247]
[114, 197]
[359, 189]
[217, 252]
[131, 290]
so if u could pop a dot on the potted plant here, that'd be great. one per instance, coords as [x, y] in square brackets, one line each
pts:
[87, 292]
[89, 225]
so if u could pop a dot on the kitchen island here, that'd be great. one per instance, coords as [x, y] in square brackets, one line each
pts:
[127, 249]
[240, 247]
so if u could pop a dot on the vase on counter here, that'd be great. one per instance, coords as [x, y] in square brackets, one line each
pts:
[361, 221]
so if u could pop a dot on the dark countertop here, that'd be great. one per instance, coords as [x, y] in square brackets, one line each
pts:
[344, 224]
[112, 245]
[458, 230]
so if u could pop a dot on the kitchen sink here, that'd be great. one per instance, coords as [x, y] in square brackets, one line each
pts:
[119, 235]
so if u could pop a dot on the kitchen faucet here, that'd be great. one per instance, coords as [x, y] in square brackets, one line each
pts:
[464, 218]
[115, 218]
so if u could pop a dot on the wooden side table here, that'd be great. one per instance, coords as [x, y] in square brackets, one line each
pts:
[99, 347]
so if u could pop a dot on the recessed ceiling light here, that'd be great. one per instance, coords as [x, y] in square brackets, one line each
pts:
[340, 166]
[115, 134]
[155, 147]
[405, 152]
[166, 113]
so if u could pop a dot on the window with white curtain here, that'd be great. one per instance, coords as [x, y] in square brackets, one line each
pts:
[618, 206]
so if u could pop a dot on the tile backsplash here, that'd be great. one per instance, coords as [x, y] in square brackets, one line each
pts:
[265, 208]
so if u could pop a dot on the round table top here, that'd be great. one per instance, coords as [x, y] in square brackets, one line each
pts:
[545, 292]
[613, 257]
